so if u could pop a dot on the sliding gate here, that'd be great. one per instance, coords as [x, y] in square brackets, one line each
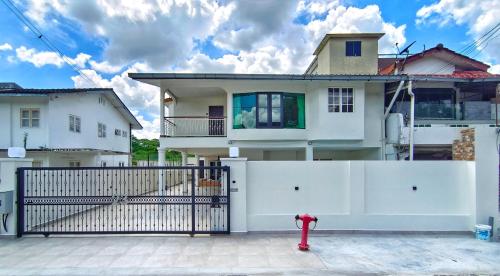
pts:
[94, 200]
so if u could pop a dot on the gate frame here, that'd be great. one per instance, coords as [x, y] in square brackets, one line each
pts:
[21, 206]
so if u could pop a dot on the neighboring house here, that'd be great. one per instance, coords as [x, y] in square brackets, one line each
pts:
[66, 127]
[335, 111]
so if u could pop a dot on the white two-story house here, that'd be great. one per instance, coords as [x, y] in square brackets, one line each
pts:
[66, 127]
[336, 110]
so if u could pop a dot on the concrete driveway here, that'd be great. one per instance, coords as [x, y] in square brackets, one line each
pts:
[249, 254]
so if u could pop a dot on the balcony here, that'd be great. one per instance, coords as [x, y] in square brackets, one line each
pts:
[195, 126]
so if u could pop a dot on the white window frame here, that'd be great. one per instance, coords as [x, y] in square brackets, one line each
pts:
[75, 164]
[121, 164]
[37, 163]
[124, 134]
[118, 132]
[101, 130]
[30, 117]
[342, 104]
[102, 100]
[75, 123]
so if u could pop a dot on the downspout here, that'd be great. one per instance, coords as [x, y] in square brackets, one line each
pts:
[130, 150]
[396, 94]
[412, 117]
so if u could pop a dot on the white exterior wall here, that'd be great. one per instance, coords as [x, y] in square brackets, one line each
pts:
[358, 195]
[320, 124]
[14, 133]
[54, 123]
[429, 65]
[87, 107]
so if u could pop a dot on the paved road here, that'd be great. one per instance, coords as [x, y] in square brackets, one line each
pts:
[351, 254]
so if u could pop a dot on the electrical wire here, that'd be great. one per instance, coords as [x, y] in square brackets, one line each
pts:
[36, 31]
[470, 48]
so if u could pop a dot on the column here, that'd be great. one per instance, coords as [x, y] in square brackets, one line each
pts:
[309, 153]
[184, 172]
[238, 193]
[161, 163]
[162, 112]
[197, 172]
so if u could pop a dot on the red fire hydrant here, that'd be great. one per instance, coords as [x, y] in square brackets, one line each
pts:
[306, 219]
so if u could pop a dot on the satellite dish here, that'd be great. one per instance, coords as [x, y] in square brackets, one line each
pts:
[407, 48]
[16, 152]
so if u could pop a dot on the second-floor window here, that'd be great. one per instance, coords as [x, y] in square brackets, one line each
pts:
[74, 123]
[30, 117]
[353, 48]
[124, 133]
[340, 100]
[101, 130]
[74, 164]
[118, 132]
[268, 110]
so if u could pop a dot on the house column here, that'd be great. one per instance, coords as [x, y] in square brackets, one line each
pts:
[162, 112]
[309, 153]
[197, 172]
[185, 183]
[161, 163]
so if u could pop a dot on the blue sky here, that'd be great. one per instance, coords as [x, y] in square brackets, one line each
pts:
[112, 39]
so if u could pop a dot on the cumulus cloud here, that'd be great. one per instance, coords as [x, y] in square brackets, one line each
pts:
[149, 36]
[5, 47]
[42, 58]
[105, 67]
[478, 16]
[37, 58]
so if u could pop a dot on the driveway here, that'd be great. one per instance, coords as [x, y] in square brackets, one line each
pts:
[351, 254]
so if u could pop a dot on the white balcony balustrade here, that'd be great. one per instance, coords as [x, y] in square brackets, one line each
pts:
[195, 126]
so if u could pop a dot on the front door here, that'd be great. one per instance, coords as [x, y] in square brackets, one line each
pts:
[216, 120]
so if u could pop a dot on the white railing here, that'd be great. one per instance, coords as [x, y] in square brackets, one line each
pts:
[195, 126]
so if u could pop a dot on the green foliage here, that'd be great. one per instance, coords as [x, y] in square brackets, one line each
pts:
[144, 148]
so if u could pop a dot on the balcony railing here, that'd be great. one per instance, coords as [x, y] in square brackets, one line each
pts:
[195, 126]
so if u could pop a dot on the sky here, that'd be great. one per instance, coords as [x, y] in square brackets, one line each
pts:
[107, 39]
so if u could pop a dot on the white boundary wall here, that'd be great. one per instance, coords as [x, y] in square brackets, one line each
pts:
[353, 195]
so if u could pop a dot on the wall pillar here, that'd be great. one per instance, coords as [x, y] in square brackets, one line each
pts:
[162, 112]
[197, 172]
[185, 183]
[486, 156]
[161, 163]
[309, 153]
[8, 182]
[238, 193]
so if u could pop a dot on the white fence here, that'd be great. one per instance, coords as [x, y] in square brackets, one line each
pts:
[356, 195]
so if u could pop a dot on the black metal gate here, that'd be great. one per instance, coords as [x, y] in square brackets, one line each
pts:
[108, 200]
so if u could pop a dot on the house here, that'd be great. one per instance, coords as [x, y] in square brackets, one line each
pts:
[339, 109]
[66, 127]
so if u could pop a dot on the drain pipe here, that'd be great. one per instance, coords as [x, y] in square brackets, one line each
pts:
[396, 94]
[412, 117]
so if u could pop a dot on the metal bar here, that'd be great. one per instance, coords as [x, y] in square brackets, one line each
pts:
[20, 202]
[193, 202]
[228, 194]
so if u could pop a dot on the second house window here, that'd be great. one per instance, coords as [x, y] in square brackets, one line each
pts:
[101, 130]
[340, 100]
[74, 123]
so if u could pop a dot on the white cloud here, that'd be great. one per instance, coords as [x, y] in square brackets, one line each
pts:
[37, 58]
[259, 37]
[494, 69]
[105, 67]
[42, 58]
[478, 16]
[5, 47]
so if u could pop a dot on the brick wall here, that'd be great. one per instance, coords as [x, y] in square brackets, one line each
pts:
[463, 149]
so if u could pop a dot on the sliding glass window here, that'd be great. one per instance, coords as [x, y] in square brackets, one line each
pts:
[268, 110]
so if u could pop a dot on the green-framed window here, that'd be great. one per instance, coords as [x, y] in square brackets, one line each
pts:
[269, 110]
